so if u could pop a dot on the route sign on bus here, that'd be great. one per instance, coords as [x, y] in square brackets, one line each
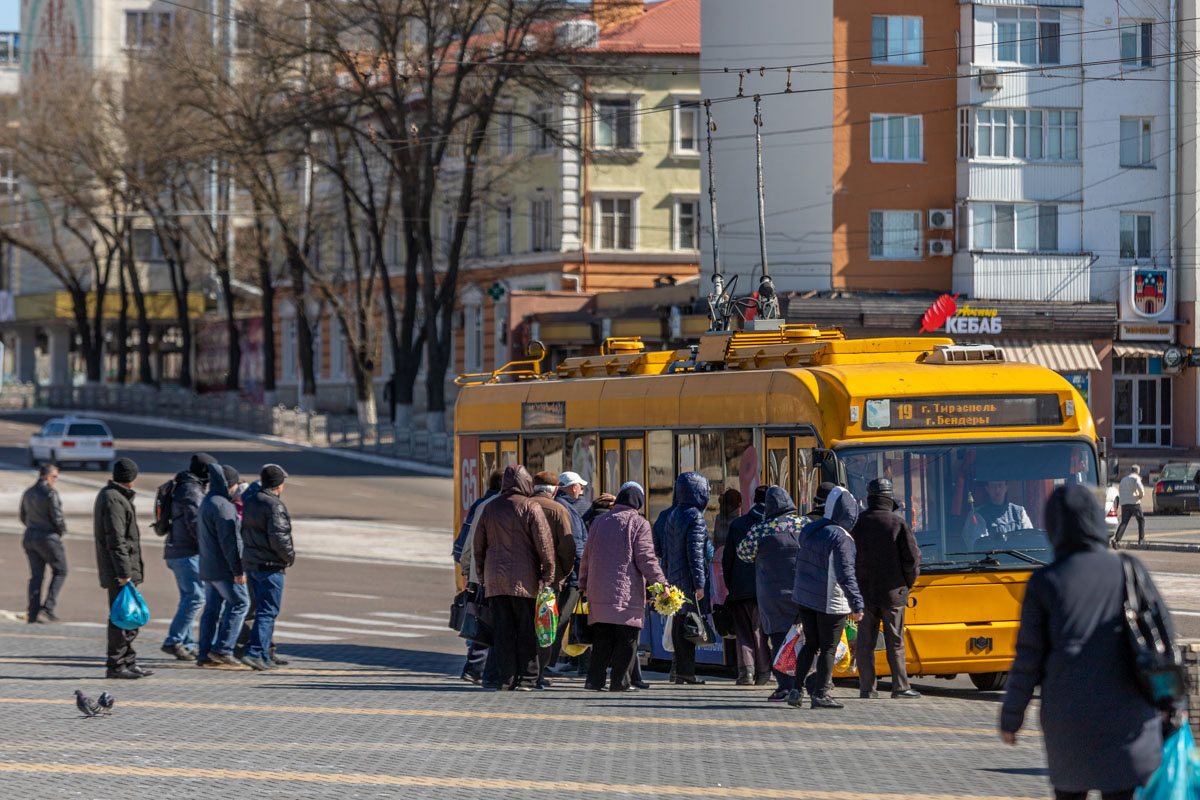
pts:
[963, 411]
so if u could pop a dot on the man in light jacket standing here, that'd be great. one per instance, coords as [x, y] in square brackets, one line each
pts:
[119, 561]
[1132, 491]
[886, 564]
[42, 516]
[226, 600]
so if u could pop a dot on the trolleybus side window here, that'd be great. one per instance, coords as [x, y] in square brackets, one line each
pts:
[635, 461]
[612, 465]
[779, 463]
[581, 456]
[508, 455]
[543, 453]
[741, 465]
[488, 460]
[660, 481]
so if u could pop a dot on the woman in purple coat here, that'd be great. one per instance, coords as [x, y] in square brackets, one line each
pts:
[618, 562]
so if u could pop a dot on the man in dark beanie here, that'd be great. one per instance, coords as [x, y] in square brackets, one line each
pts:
[267, 533]
[119, 560]
[182, 553]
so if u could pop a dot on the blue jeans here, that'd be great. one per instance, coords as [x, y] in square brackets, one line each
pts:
[191, 600]
[268, 595]
[225, 602]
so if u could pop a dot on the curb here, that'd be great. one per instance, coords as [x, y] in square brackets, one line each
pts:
[230, 433]
[1181, 547]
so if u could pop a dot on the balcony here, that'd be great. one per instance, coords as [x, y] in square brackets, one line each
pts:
[1054, 277]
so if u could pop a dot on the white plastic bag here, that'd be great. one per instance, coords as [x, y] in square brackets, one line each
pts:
[667, 642]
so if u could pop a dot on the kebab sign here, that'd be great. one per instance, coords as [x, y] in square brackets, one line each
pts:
[945, 314]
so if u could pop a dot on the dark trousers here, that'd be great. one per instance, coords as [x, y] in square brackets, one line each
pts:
[477, 656]
[785, 682]
[121, 654]
[1128, 512]
[44, 550]
[614, 645]
[248, 626]
[1125, 794]
[821, 635]
[516, 648]
[892, 618]
[566, 598]
[752, 652]
[684, 662]
[266, 587]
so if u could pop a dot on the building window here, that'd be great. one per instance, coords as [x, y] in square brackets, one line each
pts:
[687, 128]
[964, 133]
[146, 29]
[337, 350]
[1135, 142]
[542, 136]
[1137, 44]
[10, 48]
[687, 224]
[896, 235]
[504, 135]
[505, 230]
[291, 349]
[1015, 227]
[1027, 134]
[474, 339]
[614, 223]
[614, 125]
[8, 179]
[475, 234]
[541, 220]
[895, 138]
[146, 245]
[896, 40]
[1135, 237]
[1027, 36]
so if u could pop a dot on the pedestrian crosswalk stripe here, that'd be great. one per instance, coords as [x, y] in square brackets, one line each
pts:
[355, 596]
[399, 615]
[357, 631]
[377, 622]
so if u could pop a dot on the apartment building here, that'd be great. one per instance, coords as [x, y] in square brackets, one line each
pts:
[1021, 158]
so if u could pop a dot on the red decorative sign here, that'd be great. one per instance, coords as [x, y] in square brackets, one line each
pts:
[1149, 291]
[942, 309]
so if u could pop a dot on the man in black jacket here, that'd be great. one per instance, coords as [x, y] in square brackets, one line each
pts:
[886, 566]
[182, 554]
[267, 534]
[42, 516]
[754, 658]
[119, 560]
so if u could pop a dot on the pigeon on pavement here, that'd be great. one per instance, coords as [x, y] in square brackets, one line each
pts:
[86, 705]
[106, 702]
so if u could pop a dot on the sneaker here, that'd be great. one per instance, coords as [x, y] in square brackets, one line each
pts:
[50, 615]
[142, 671]
[907, 694]
[206, 662]
[630, 688]
[256, 663]
[179, 651]
[122, 674]
[825, 701]
[795, 698]
[226, 660]
[868, 694]
[778, 696]
[641, 684]
[276, 660]
[470, 678]
[688, 680]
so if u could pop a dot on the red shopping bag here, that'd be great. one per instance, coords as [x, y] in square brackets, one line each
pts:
[785, 661]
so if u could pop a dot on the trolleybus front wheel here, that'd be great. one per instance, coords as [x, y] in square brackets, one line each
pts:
[989, 681]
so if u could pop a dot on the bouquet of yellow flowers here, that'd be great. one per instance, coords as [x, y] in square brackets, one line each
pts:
[668, 600]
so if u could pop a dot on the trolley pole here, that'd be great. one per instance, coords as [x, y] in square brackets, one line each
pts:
[762, 211]
[712, 189]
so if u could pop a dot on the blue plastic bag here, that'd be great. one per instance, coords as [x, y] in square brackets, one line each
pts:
[129, 609]
[1178, 777]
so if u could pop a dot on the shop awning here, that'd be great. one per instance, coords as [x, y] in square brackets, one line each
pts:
[1127, 349]
[1058, 356]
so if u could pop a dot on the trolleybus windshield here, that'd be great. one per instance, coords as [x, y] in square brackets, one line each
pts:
[974, 505]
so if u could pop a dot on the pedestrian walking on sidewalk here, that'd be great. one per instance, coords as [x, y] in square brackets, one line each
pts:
[514, 552]
[754, 658]
[266, 555]
[618, 564]
[682, 544]
[826, 590]
[887, 562]
[119, 561]
[42, 515]
[545, 487]
[182, 554]
[1131, 493]
[226, 600]
[773, 546]
[1100, 730]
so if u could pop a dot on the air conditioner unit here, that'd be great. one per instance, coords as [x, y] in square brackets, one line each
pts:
[940, 247]
[941, 219]
[989, 79]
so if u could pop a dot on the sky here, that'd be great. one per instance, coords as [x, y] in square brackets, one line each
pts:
[10, 15]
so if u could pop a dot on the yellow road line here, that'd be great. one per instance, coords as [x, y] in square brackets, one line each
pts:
[478, 715]
[362, 779]
[50, 636]
[179, 665]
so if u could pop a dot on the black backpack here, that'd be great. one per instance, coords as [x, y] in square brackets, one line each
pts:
[162, 508]
[1157, 662]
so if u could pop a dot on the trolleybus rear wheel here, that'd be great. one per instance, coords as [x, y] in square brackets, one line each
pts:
[989, 681]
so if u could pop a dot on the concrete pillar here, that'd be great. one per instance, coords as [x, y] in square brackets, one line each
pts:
[26, 354]
[60, 355]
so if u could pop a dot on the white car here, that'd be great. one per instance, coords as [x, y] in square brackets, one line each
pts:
[1112, 508]
[68, 439]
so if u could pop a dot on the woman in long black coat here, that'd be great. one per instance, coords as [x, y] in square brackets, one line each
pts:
[1101, 731]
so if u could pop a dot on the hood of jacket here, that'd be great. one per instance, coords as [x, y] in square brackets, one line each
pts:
[778, 503]
[631, 496]
[691, 489]
[1074, 521]
[217, 484]
[517, 480]
[842, 509]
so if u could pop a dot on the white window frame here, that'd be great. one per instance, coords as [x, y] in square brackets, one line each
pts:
[677, 221]
[1027, 222]
[1058, 129]
[1134, 218]
[506, 243]
[686, 105]
[337, 350]
[10, 47]
[473, 338]
[1027, 29]
[598, 221]
[1142, 31]
[541, 140]
[505, 134]
[135, 29]
[1143, 139]
[634, 125]
[541, 224]
[905, 55]
[908, 254]
[882, 123]
[290, 340]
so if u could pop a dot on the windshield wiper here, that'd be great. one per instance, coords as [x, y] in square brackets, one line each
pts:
[1021, 554]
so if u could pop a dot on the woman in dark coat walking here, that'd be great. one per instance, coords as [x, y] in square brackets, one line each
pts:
[1101, 731]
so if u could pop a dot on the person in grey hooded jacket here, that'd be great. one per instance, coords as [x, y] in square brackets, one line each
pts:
[1100, 730]
[226, 598]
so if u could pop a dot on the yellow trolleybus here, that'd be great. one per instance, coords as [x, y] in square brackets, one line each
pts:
[962, 433]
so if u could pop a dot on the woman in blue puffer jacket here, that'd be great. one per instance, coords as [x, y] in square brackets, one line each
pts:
[682, 543]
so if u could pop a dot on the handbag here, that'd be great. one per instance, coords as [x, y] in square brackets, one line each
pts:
[477, 622]
[785, 659]
[1157, 662]
[129, 610]
[581, 629]
[722, 617]
[697, 629]
[545, 620]
[458, 609]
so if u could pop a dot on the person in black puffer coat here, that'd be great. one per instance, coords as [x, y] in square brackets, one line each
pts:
[754, 659]
[682, 544]
[267, 531]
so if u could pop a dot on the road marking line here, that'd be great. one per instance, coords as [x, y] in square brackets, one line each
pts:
[314, 637]
[501, 715]
[355, 596]
[357, 631]
[363, 779]
[398, 615]
[50, 636]
[86, 624]
[380, 622]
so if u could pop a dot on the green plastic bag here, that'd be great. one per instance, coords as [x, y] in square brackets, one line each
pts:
[546, 619]
[1178, 777]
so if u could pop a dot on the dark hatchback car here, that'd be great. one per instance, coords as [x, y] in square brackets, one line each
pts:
[1175, 490]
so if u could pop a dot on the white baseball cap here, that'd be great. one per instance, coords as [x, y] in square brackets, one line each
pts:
[570, 479]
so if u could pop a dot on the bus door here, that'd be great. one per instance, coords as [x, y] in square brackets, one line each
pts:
[778, 467]
[789, 464]
[489, 460]
[508, 455]
[610, 461]
[623, 460]
[635, 461]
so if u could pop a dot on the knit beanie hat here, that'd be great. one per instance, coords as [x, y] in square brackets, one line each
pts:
[199, 465]
[272, 476]
[231, 477]
[125, 470]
